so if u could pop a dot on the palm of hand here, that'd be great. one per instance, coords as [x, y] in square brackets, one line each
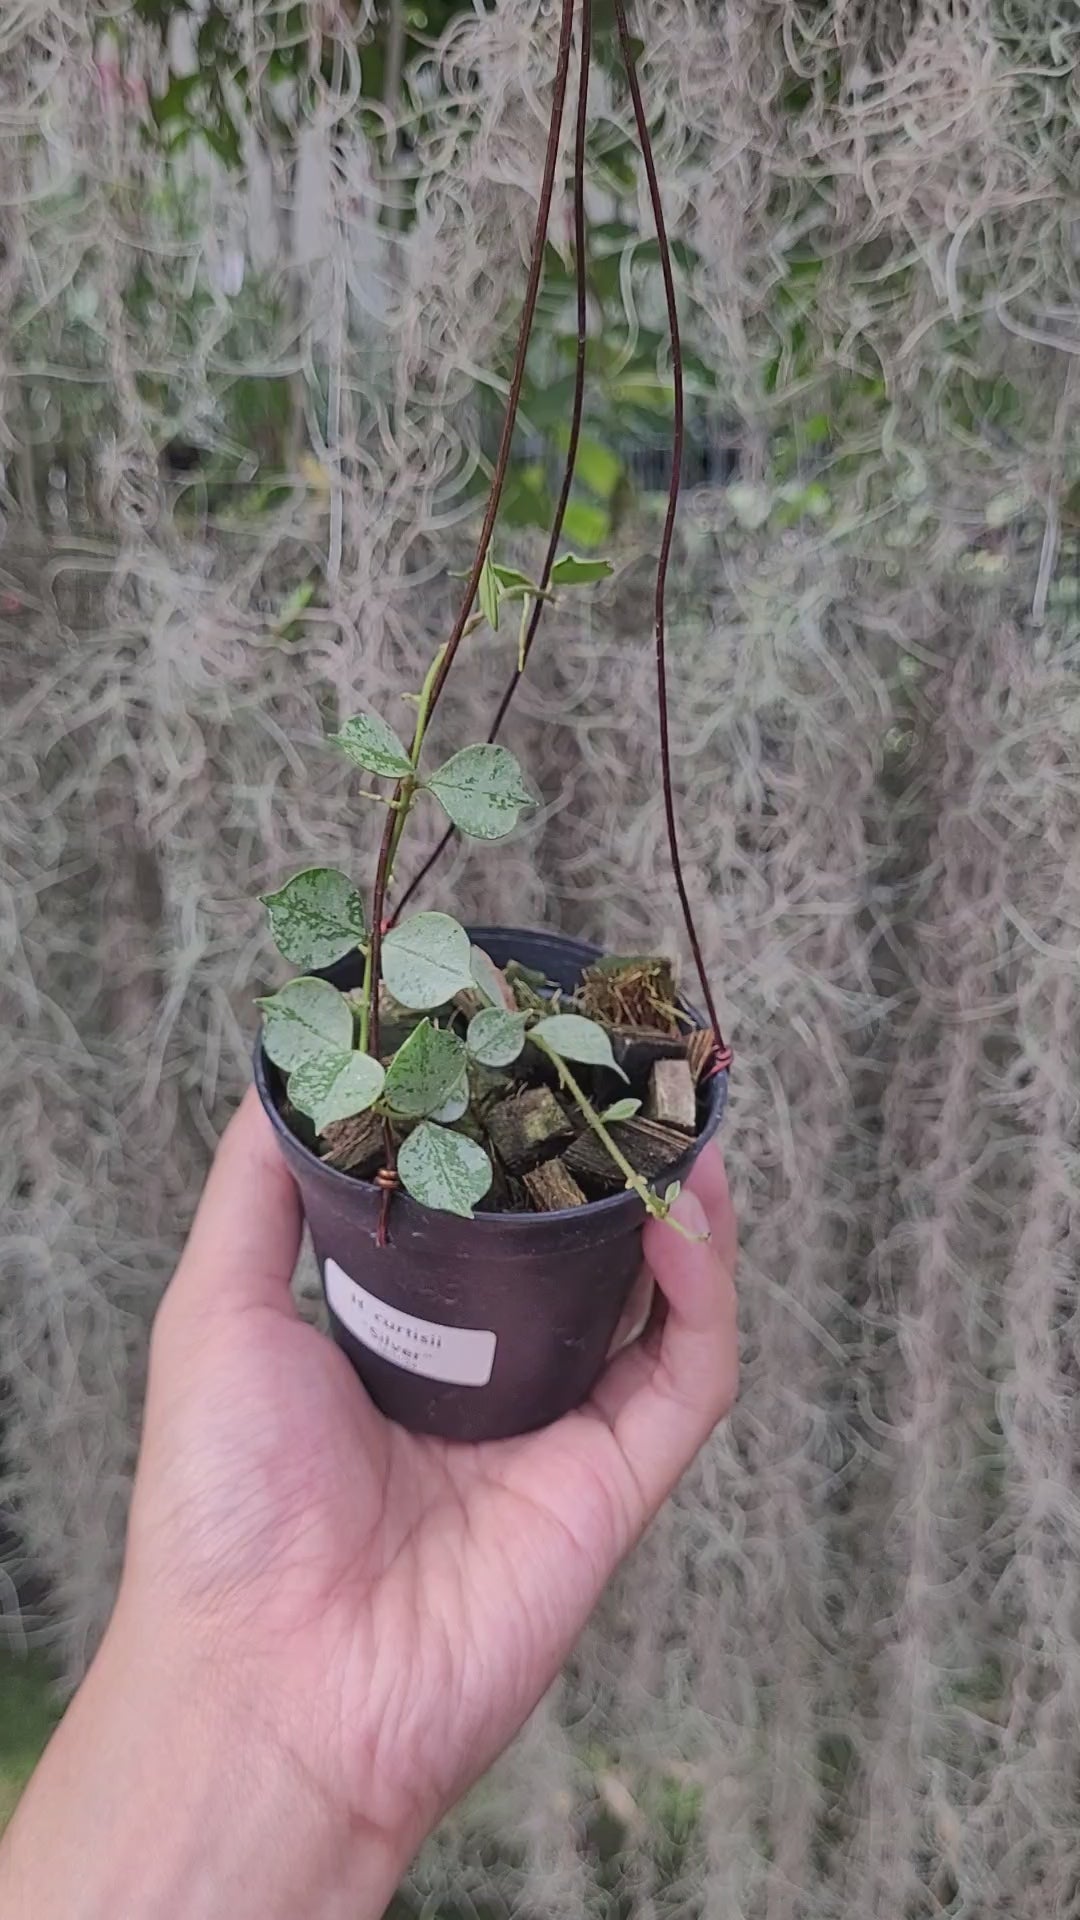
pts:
[405, 1601]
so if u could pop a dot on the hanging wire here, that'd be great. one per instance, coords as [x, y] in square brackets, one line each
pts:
[723, 1056]
[528, 315]
[387, 1178]
[580, 264]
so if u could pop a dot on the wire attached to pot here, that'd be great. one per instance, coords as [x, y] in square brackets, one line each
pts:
[724, 1055]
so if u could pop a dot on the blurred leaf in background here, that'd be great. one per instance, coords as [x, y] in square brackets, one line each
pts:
[29, 1711]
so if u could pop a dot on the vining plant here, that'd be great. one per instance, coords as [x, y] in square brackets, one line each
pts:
[325, 1041]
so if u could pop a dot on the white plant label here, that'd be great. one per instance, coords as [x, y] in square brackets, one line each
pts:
[458, 1356]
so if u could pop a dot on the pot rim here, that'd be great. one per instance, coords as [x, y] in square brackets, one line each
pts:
[593, 1210]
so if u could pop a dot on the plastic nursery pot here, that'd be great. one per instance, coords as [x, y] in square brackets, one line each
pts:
[474, 1329]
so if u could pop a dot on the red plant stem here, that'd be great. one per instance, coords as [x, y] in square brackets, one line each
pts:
[575, 432]
[664, 560]
[528, 315]
[579, 362]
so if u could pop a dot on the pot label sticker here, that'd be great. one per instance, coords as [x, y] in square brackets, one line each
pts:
[459, 1356]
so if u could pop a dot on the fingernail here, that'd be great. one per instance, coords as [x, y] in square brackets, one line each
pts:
[690, 1214]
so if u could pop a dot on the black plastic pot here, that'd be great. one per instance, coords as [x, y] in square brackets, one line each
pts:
[473, 1329]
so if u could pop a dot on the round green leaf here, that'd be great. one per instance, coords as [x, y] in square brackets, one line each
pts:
[425, 960]
[444, 1170]
[425, 1071]
[374, 746]
[334, 1086]
[482, 790]
[573, 1037]
[622, 1110]
[306, 1019]
[316, 917]
[496, 1038]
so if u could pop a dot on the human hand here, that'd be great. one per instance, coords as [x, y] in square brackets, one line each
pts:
[376, 1611]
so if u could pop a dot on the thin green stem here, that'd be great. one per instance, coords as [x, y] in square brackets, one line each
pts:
[658, 1208]
[406, 791]
[365, 1001]
[400, 803]
[423, 708]
[530, 592]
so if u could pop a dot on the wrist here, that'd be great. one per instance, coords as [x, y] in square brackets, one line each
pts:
[167, 1792]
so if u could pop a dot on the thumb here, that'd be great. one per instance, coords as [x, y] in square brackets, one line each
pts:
[242, 1248]
[663, 1397]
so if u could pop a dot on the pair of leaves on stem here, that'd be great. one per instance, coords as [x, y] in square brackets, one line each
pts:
[499, 583]
[317, 918]
[308, 1033]
[481, 789]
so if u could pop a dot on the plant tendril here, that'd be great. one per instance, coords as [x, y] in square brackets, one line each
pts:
[663, 562]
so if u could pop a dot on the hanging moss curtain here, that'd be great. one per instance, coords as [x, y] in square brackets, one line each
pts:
[258, 275]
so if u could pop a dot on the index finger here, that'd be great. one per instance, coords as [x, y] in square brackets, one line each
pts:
[243, 1246]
